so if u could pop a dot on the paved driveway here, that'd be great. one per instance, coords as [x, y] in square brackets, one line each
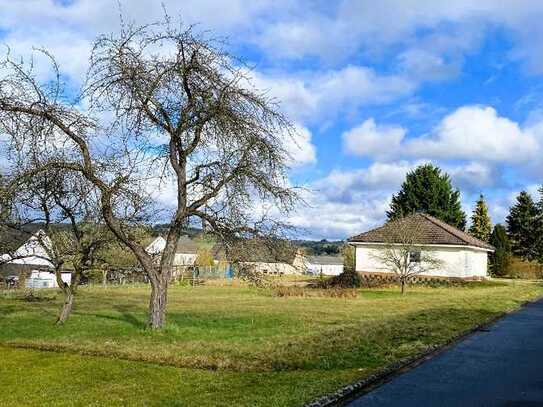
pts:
[501, 367]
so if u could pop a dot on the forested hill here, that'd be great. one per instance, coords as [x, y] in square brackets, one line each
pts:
[161, 229]
[321, 247]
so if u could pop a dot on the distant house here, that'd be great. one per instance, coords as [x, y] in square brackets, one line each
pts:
[31, 258]
[291, 263]
[274, 257]
[185, 253]
[326, 265]
[460, 254]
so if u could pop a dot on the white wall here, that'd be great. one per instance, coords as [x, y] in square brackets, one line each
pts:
[456, 261]
[325, 269]
[184, 259]
[45, 279]
[272, 268]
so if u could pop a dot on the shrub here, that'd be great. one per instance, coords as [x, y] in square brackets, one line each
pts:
[347, 279]
[525, 269]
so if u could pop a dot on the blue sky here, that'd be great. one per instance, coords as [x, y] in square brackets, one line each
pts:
[374, 88]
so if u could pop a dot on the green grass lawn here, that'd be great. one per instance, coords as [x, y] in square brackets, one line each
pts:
[227, 345]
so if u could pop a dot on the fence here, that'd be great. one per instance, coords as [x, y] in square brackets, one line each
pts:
[203, 272]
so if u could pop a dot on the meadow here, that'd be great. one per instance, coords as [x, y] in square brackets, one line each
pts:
[227, 344]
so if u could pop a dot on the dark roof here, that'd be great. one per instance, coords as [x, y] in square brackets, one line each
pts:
[325, 260]
[429, 229]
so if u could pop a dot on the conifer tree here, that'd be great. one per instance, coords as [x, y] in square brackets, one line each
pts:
[426, 189]
[481, 226]
[521, 227]
[500, 260]
[538, 228]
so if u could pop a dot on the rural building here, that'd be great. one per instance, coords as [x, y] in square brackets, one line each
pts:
[46, 279]
[289, 263]
[185, 253]
[31, 258]
[274, 257]
[460, 255]
[325, 265]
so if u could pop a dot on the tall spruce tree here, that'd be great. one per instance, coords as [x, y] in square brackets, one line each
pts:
[481, 226]
[500, 260]
[426, 189]
[522, 227]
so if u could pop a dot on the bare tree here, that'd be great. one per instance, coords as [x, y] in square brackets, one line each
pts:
[403, 253]
[179, 109]
[63, 205]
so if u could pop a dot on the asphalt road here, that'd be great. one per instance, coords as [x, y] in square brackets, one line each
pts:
[501, 367]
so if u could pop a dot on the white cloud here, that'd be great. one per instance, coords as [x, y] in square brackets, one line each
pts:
[103, 15]
[371, 140]
[323, 95]
[477, 132]
[440, 27]
[439, 32]
[473, 176]
[344, 203]
[346, 185]
[427, 65]
[473, 133]
[68, 29]
[332, 220]
[300, 148]
[70, 52]
[357, 24]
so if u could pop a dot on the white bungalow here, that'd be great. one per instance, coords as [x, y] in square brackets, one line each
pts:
[458, 254]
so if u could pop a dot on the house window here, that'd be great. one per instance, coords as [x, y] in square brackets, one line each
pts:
[414, 257]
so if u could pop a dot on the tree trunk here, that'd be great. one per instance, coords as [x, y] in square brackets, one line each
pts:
[69, 292]
[158, 301]
[67, 305]
[402, 283]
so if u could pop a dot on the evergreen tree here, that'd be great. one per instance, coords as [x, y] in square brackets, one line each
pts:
[538, 228]
[426, 189]
[500, 260]
[481, 226]
[522, 228]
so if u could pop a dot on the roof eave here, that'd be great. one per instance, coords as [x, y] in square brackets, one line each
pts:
[486, 249]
